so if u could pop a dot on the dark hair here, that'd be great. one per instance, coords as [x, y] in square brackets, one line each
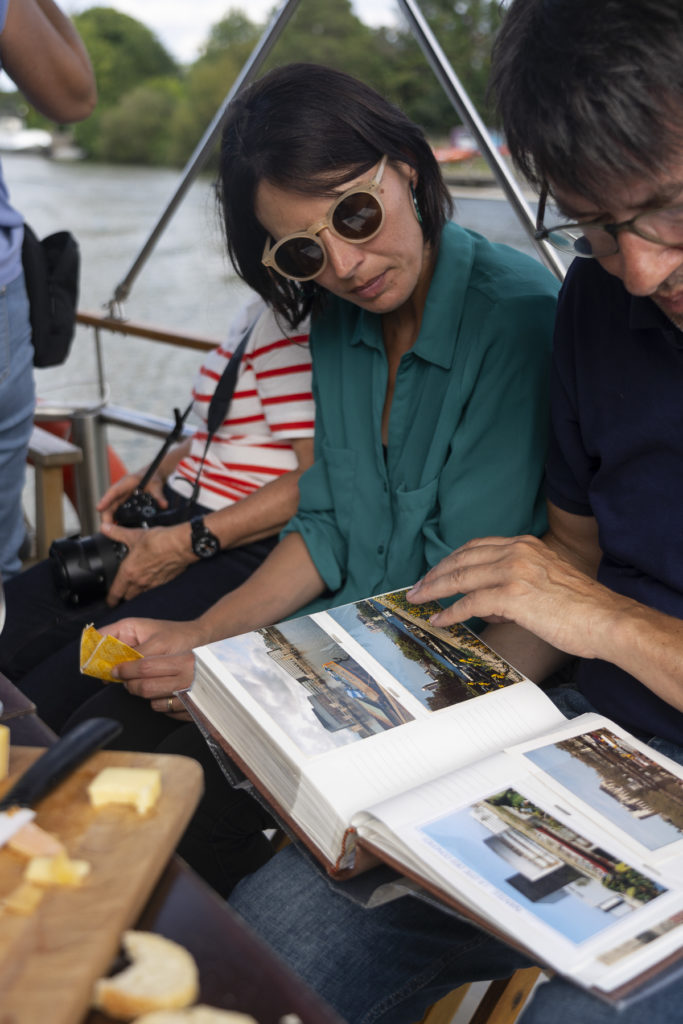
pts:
[590, 91]
[296, 125]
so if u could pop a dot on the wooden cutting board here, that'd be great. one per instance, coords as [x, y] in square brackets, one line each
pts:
[50, 960]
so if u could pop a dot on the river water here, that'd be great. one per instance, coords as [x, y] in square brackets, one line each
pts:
[187, 284]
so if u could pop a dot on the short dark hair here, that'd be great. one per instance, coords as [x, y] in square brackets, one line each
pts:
[590, 91]
[296, 125]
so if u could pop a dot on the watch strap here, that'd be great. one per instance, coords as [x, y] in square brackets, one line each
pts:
[205, 544]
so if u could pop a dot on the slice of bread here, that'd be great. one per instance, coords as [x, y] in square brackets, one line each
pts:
[196, 1015]
[162, 975]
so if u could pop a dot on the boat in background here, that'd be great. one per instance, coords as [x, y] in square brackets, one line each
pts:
[15, 137]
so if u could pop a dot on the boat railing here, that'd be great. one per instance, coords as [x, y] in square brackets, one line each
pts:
[90, 420]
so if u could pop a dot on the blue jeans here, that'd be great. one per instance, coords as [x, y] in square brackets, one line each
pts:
[387, 964]
[17, 402]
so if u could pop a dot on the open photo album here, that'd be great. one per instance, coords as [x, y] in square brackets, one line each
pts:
[374, 734]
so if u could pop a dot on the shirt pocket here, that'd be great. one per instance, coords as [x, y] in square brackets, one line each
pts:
[341, 465]
[413, 509]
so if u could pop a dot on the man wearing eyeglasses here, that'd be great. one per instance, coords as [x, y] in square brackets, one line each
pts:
[591, 96]
[606, 583]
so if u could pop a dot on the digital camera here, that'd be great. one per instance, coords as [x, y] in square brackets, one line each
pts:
[84, 567]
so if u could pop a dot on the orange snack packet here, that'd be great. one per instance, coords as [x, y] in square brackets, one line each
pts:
[99, 654]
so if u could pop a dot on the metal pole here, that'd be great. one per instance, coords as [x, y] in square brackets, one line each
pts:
[92, 475]
[204, 146]
[453, 88]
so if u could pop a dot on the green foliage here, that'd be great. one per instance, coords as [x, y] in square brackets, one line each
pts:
[123, 51]
[150, 111]
[124, 54]
[465, 30]
[208, 82]
[135, 131]
[328, 32]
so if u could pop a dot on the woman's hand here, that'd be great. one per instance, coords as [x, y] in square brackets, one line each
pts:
[167, 665]
[155, 556]
[156, 678]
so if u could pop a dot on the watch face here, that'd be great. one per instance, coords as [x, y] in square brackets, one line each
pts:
[204, 543]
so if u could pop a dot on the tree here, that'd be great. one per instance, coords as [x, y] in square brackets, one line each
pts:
[208, 81]
[135, 131]
[465, 29]
[124, 54]
[328, 32]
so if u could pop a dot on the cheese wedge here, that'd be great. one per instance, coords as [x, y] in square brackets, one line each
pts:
[138, 787]
[58, 870]
[22, 900]
[4, 751]
[99, 654]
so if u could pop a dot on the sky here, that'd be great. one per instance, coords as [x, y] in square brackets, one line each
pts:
[183, 27]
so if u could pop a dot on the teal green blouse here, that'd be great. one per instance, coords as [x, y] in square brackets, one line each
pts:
[467, 432]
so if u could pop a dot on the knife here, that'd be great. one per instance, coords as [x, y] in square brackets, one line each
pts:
[48, 771]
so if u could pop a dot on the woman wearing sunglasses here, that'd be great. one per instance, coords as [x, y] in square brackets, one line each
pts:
[430, 352]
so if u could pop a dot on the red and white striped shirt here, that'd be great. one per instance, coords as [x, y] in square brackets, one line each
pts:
[272, 403]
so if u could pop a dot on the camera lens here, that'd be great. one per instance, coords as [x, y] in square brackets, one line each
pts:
[84, 567]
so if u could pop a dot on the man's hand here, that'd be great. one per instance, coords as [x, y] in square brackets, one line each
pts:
[521, 580]
[155, 556]
[123, 488]
[167, 665]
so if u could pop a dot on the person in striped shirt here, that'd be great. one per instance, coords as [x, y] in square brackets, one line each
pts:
[265, 439]
[241, 491]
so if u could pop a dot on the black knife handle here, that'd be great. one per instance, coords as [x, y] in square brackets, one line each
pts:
[58, 761]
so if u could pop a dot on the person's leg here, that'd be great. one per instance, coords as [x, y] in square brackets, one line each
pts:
[142, 728]
[17, 403]
[384, 965]
[225, 840]
[55, 684]
[38, 622]
[559, 1001]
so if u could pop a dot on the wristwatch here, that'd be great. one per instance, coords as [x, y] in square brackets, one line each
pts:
[204, 543]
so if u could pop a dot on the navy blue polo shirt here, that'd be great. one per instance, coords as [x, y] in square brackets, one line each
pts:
[616, 453]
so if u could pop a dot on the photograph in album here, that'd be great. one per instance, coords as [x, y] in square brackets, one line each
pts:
[635, 793]
[327, 699]
[439, 667]
[569, 882]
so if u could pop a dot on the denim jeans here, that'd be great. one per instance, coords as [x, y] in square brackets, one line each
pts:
[387, 964]
[17, 401]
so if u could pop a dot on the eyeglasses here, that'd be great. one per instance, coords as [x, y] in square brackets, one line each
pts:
[663, 226]
[356, 216]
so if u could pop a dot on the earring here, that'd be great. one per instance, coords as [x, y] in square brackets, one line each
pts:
[416, 205]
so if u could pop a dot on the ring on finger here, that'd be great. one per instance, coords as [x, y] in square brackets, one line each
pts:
[169, 703]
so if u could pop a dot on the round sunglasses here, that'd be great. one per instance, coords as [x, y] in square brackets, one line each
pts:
[356, 216]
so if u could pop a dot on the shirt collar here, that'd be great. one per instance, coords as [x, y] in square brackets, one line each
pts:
[644, 314]
[444, 305]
